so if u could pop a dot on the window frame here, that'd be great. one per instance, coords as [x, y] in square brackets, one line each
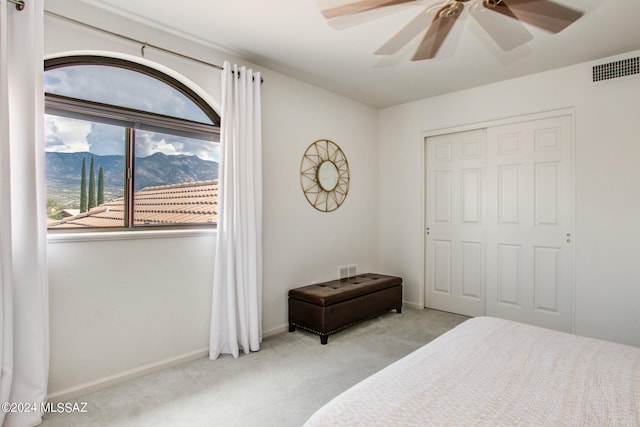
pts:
[130, 120]
[66, 61]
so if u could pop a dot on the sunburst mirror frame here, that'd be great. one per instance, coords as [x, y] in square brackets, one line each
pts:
[324, 175]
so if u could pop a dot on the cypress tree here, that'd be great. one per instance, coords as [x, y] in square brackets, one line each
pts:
[100, 186]
[83, 186]
[91, 203]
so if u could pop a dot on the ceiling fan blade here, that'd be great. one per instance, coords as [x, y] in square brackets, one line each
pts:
[408, 33]
[437, 32]
[545, 14]
[507, 33]
[360, 6]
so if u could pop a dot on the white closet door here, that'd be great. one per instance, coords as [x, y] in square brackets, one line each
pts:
[455, 210]
[530, 222]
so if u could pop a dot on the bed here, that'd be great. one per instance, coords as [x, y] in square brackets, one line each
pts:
[489, 371]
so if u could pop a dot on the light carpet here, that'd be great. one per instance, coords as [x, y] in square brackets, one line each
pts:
[281, 385]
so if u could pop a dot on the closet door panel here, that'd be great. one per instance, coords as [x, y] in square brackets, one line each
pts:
[455, 209]
[530, 206]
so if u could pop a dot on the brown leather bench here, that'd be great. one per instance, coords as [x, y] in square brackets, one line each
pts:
[325, 308]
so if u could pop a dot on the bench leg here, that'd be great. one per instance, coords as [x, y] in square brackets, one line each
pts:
[324, 339]
[292, 327]
[399, 310]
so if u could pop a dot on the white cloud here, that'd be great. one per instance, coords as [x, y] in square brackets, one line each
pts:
[117, 86]
[148, 143]
[65, 135]
[212, 155]
[106, 139]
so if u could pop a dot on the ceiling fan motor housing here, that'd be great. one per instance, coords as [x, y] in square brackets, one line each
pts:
[454, 9]
[491, 3]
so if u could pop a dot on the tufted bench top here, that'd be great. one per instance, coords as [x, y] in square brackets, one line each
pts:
[329, 293]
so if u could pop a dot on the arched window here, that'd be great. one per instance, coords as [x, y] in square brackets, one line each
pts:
[127, 146]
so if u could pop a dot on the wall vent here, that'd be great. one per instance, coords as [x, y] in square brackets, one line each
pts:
[347, 271]
[613, 70]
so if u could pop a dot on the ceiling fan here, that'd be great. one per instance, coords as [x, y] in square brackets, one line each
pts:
[439, 19]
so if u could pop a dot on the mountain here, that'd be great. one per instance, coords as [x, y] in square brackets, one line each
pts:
[160, 169]
[63, 169]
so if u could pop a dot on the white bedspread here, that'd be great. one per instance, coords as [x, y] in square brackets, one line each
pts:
[489, 371]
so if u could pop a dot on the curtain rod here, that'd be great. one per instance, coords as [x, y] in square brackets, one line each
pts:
[144, 44]
[19, 3]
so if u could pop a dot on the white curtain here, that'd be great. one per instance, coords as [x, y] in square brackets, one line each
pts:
[236, 318]
[24, 319]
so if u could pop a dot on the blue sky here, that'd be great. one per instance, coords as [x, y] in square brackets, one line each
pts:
[126, 88]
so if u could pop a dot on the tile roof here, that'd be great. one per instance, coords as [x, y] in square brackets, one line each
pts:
[184, 203]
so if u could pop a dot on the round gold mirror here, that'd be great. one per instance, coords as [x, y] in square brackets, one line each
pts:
[328, 175]
[324, 175]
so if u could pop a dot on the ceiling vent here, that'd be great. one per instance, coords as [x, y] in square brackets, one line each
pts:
[613, 70]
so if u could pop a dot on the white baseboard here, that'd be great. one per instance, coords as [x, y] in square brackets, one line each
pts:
[72, 393]
[275, 331]
[89, 387]
[413, 305]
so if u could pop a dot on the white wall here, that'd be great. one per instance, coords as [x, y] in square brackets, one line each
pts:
[607, 184]
[121, 307]
[125, 305]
